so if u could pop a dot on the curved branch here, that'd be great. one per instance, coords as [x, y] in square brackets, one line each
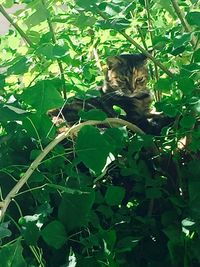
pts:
[69, 133]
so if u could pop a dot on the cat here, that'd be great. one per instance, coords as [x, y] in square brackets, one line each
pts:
[125, 86]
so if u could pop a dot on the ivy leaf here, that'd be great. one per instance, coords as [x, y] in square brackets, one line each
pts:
[92, 148]
[74, 209]
[193, 18]
[54, 234]
[114, 195]
[11, 255]
[43, 96]
[93, 114]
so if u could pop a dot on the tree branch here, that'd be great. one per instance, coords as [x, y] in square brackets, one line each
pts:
[184, 22]
[62, 76]
[69, 133]
[16, 26]
[132, 41]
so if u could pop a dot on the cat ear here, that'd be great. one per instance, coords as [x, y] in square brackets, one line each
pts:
[114, 61]
[144, 58]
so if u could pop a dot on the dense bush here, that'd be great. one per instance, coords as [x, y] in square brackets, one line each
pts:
[101, 196]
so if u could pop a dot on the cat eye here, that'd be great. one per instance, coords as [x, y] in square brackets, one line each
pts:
[139, 80]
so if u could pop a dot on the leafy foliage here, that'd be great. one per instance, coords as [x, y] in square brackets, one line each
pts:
[101, 198]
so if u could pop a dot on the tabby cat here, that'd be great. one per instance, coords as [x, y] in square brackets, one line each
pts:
[125, 86]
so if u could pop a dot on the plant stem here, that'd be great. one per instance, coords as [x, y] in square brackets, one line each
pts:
[132, 41]
[62, 76]
[181, 16]
[150, 28]
[16, 26]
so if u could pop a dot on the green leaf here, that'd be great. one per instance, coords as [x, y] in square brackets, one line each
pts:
[193, 18]
[74, 209]
[11, 255]
[117, 24]
[30, 232]
[19, 67]
[196, 55]
[82, 21]
[116, 138]
[43, 96]
[167, 6]
[86, 3]
[93, 114]
[92, 148]
[38, 16]
[4, 231]
[153, 192]
[169, 109]
[181, 40]
[11, 113]
[8, 3]
[164, 84]
[187, 121]
[39, 127]
[127, 244]
[186, 85]
[114, 195]
[54, 234]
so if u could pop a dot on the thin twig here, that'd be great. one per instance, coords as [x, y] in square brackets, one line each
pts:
[62, 75]
[16, 26]
[132, 41]
[150, 28]
[69, 133]
[184, 22]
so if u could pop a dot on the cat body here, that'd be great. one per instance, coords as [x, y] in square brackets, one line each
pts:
[124, 86]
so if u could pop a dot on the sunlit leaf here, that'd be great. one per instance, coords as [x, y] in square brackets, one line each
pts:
[43, 96]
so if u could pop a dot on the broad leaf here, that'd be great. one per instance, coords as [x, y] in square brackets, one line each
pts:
[43, 96]
[74, 209]
[93, 114]
[11, 255]
[114, 195]
[54, 234]
[193, 18]
[92, 148]
[19, 67]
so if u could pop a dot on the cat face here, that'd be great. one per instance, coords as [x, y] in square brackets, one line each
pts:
[126, 74]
